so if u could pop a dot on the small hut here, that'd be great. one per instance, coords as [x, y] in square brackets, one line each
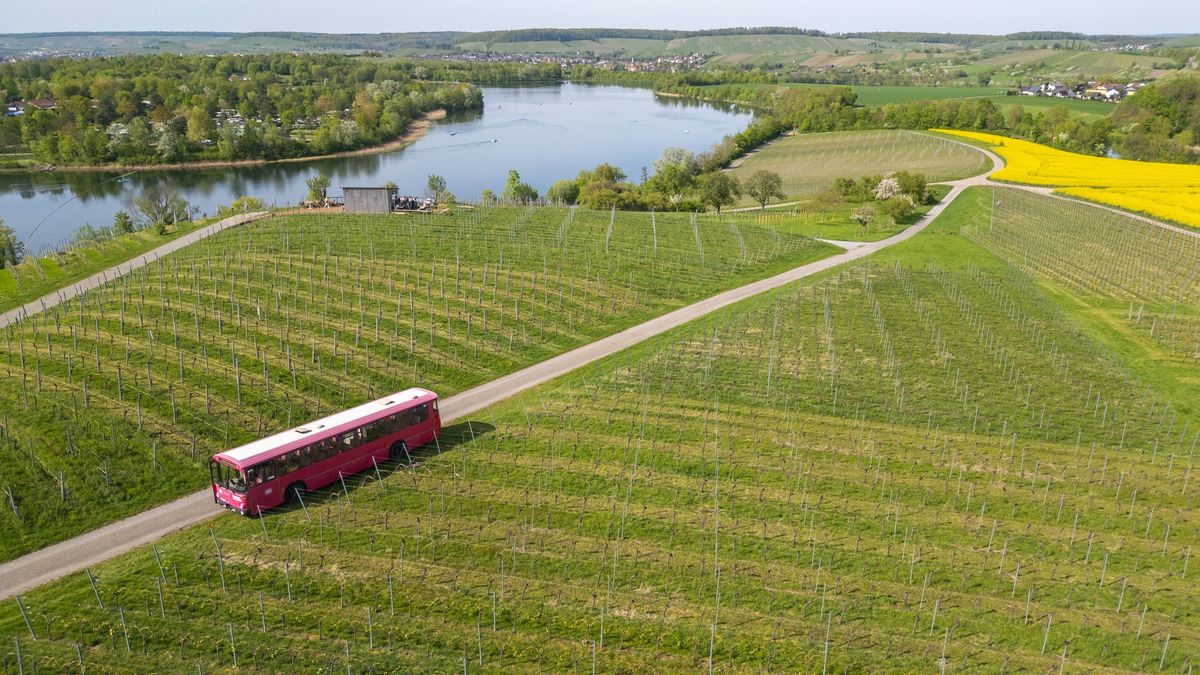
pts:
[368, 199]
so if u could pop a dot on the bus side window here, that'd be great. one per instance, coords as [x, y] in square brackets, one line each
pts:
[305, 455]
[418, 414]
[291, 462]
[374, 431]
[252, 476]
[352, 439]
[394, 423]
[266, 470]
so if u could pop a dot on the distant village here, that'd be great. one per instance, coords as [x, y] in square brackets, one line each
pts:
[669, 64]
[1091, 91]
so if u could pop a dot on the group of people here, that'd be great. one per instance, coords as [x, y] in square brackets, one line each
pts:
[406, 203]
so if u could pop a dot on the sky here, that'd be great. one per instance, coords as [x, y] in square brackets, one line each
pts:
[375, 16]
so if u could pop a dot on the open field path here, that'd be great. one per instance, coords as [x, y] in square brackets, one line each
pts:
[75, 554]
[104, 276]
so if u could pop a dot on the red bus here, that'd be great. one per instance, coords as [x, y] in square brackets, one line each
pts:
[279, 468]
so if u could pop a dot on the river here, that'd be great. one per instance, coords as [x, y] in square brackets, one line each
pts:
[545, 132]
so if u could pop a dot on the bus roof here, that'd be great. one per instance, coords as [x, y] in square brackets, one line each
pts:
[277, 444]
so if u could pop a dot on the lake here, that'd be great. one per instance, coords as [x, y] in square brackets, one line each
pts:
[544, 132]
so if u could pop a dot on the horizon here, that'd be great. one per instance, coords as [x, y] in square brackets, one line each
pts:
[766, 29]
[1103, 17]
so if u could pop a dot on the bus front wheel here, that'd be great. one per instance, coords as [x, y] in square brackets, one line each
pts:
[399, 449]
[296, 492]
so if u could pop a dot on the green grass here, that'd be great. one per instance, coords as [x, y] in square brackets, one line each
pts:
[809, 163]
[880, 95]
[834, 222]
[36, 277]
[113, 401]
[913, 463]
[1079, 108]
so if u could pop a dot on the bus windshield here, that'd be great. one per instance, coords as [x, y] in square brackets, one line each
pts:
[229, 477]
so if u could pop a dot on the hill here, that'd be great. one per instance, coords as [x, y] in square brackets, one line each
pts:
[115, 399]
[948, 458]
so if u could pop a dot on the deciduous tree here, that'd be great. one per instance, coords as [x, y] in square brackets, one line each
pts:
[516, 191]
[12, 249]
[762, 185]
[435, 185]
[317, 187]
[718, 189]
[161, 206]
[863, 215]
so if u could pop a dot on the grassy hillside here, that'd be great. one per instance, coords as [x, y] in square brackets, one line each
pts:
[918, 463]
[809, 163]
[113, 401]
[872, 95]
[1072, 65]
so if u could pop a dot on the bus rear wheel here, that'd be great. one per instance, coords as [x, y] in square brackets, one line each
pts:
[295, 492]
[399, 450]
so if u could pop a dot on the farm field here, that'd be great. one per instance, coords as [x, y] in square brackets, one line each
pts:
[809, 163]
[1158, 189]
[1090, 110]
[881, 95]
[915, 463]
[114, 400]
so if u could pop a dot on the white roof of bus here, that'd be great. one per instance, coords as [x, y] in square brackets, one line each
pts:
[265, 446]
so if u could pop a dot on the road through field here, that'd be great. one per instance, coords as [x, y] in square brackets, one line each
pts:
[75, 554]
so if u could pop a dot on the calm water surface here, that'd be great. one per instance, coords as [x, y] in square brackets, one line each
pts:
[545, 132]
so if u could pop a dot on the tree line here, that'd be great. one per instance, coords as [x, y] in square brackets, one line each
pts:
[167, 109]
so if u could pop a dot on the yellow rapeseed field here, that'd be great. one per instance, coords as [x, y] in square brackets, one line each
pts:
[1169, 191]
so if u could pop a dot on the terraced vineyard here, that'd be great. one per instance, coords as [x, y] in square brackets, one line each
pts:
[1092, 251]
[115, 400]
[809, 163]
[922, 463]
[1132, 283]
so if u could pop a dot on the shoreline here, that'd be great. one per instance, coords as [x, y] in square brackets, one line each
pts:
[416, 129]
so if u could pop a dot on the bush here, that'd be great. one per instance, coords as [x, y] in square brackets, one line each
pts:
[886, 189]
[563, 191]
[897, 207]
[243, 204]
[123, 222]
[914, 185]
[861, 190]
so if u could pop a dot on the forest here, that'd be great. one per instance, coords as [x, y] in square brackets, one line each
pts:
[168, 109]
